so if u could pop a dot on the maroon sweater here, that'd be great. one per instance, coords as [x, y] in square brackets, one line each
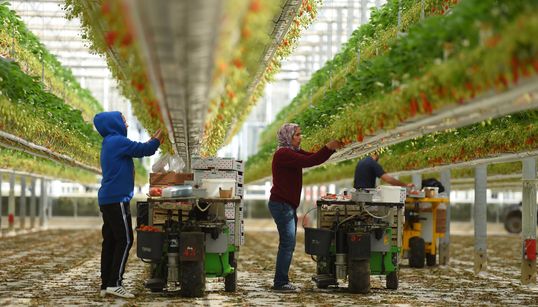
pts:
[288, 172]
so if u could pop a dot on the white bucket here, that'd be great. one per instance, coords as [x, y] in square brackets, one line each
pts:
[212, 186]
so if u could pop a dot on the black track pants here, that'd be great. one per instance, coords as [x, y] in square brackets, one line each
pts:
[117, 241]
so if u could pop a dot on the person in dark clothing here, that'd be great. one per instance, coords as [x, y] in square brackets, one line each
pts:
[116, 191]
[368, 169]
[288, 163]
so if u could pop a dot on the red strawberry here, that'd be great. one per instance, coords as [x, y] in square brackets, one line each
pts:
[255, 6]
[127, 40]
[426, 105]
[110, 38]
[105, 8]
[413, 107]
[237, 63]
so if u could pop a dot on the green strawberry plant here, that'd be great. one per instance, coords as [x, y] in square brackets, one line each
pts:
[18, 43]
[29, 112]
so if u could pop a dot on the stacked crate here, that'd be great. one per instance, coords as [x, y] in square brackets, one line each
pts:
[229, 168]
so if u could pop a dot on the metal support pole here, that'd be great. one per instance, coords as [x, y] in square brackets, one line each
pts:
[11, 203]
[42, 202]
[364, 10]
[339, 28]
[417, 180]
[75, 207]
[22, 203]
[329, 41]
[528, 234]
[350, 16]
[480, 224]
[32, 203]
[444, 243]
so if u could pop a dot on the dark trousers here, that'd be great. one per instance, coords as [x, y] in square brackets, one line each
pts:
[117, 241]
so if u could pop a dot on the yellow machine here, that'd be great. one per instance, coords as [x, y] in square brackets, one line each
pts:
[425, 223]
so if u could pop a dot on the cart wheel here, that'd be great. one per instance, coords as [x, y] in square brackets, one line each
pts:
[416, 252]
[392, 280]
[430, 259]
[359, 276]
[192, 278]
[230, 280]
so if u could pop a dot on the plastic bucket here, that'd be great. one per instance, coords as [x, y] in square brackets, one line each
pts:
[212, 186]
[317, 241]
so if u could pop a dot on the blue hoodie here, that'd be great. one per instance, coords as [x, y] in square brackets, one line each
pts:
[117, 155]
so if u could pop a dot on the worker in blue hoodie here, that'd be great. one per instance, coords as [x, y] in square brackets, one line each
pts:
[116, 191]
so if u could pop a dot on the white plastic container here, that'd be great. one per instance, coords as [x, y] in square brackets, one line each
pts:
[391, 194]
[212, 186]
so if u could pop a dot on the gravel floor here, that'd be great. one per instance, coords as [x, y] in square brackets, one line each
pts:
[61, 267]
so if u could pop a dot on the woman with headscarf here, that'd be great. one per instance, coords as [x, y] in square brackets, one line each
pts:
[288, 163]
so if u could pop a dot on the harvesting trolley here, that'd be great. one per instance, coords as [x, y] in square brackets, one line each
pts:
[356, 238]
[425, 224]
[199, 238]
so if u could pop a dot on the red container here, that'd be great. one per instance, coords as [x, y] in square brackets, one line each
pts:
[530, 249]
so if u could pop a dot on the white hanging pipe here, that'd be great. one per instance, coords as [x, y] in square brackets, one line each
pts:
[44, 152]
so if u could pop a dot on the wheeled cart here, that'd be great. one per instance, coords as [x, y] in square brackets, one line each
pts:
[198, 238]
[425, 224]
[353, 240]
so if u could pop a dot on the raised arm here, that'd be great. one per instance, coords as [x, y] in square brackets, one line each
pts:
[138, 149]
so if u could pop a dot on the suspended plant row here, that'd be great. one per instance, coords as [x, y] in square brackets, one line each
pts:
[106, 25]
[346, 170]
[227, 113]
[20, 161]
[369, 40]
[111, 34]
[509, 134]
[27, 111]
[500, 60]
[20, 44]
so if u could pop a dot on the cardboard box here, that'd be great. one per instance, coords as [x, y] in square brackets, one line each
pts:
[216, 174]
[167, 179]
[198, 163]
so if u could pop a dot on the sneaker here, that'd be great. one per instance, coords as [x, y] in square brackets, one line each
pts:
[285, 288]
[102, 293]
[119, 291]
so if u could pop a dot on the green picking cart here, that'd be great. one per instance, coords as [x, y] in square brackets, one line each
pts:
[353, 240]
[195, 238]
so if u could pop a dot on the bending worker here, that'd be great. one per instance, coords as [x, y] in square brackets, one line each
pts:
[368, 169]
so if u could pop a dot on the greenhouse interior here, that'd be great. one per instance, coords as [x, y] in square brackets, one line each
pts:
[268, 152]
